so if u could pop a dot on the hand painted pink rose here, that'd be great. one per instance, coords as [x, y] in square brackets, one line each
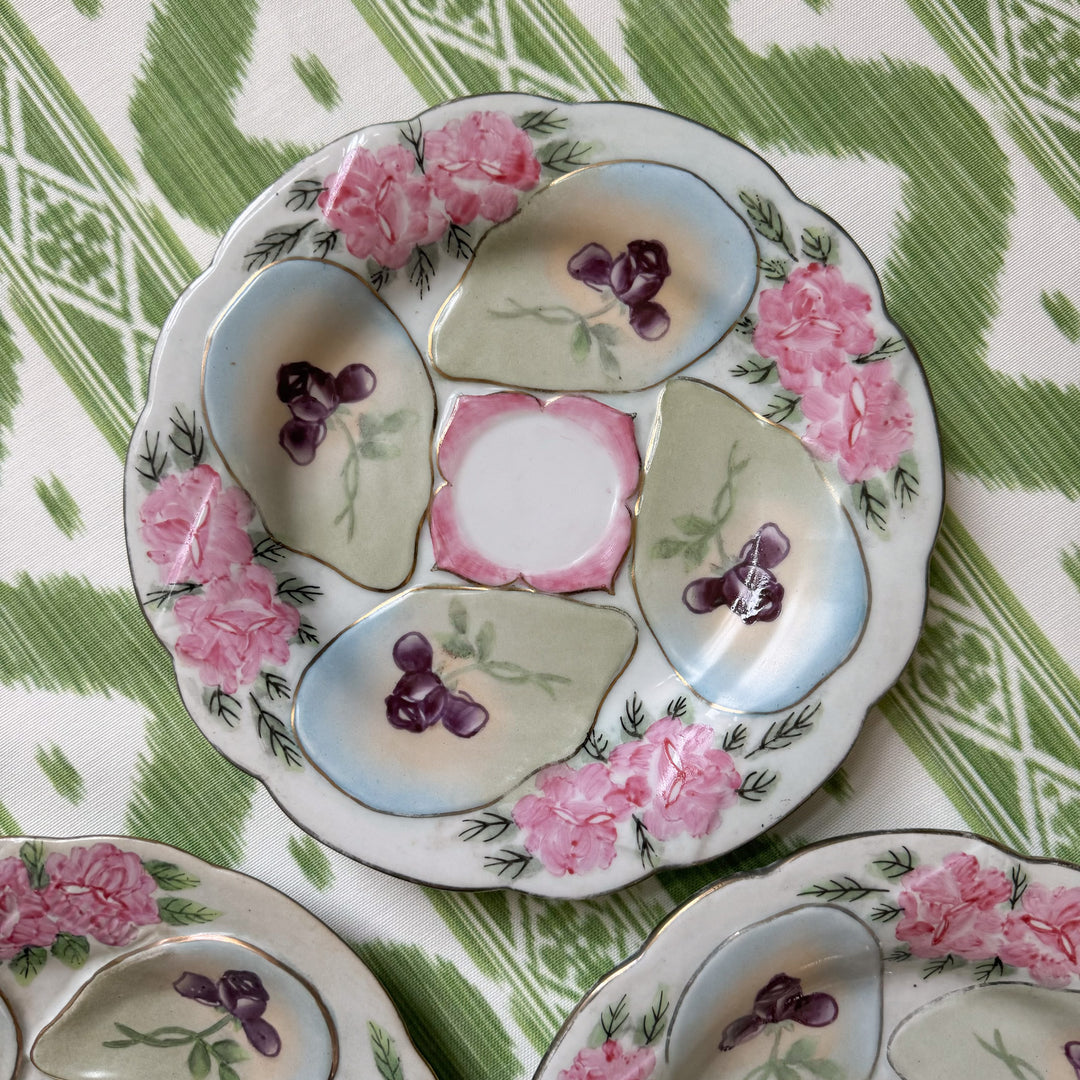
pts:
[102, 892]
[570, 827]
[1043, 935]
[611, 1061]
[194, 527]
[953, 908]
[234, 627]
[478, 164]
[383, 209]
[812, 324]
[682, 780]
[861, 418]
[24, 915]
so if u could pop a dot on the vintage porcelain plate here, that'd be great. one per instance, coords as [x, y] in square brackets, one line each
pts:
[534, 495]
[124, 959]
[921, 955]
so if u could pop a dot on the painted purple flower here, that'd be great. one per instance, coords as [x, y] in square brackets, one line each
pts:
[639, 272]
[749, 588]
[242, 995]
[1072, 1056]
[779, 1000]
[312, 395]
[635, 276]
[419, 699]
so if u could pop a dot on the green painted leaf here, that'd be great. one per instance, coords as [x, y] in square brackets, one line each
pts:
[198, 1061]
[71, 949]
[395, 421]
[178, 912]
[28, 963]
[667, 548]
[386, 1057]
[229, 1050]
[227, 1072]
[800, 1050]
[459, 617]
[169, 876]
[825, 1069]
[32, 854]
[580, 342]
[458, 647]
[693, 525]
[605, 333]
[485, 641]
[451, 1022]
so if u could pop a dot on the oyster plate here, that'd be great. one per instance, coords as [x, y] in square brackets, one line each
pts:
[534, 495]
[124, 958]
[921, 955]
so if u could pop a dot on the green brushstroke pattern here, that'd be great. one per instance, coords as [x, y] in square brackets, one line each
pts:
[1070, 563]
[450, 1021]
[9, 383]
[312, 860]
[320, 84]
[546, 952]
[197, 53]
[990, 708]
[1062, 310]
[63, 635]
[62, 508]
[60, 772]
[8, 825]
[950, 237]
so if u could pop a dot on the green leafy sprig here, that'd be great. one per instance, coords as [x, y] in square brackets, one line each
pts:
[479, 649]
[699, 531]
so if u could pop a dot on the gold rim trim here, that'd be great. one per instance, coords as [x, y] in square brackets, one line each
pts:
[458, 589]
[447, 304]
[233, 300]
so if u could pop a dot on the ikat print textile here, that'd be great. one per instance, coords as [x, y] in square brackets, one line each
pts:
[944, 136]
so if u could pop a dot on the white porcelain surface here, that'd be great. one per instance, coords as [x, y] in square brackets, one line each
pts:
[111, 923]
[928, 942]
[246, 619]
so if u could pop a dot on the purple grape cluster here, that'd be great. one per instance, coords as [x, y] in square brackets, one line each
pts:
[312, 395]
[635, 276]
[419, 699]
[749, 588]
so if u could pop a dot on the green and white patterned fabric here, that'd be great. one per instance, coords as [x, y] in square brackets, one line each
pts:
[944, 135]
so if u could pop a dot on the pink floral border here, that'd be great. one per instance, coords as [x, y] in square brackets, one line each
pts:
[56, 902]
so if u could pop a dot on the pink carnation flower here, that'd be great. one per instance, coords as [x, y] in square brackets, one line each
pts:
[1044, 935]
[861, 418]
[611, 1061]
[812, 324]
[571, 826]
[477, 166]
[952, 908]
[381, 207]
[677, 775]
[234, 627]
[24, 915]
[100, 891]
[195, 528]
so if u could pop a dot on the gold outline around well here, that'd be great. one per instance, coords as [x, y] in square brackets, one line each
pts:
[225, 461]
[654, 437]
[458, 589]
[445, 306]
[335, 1056]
